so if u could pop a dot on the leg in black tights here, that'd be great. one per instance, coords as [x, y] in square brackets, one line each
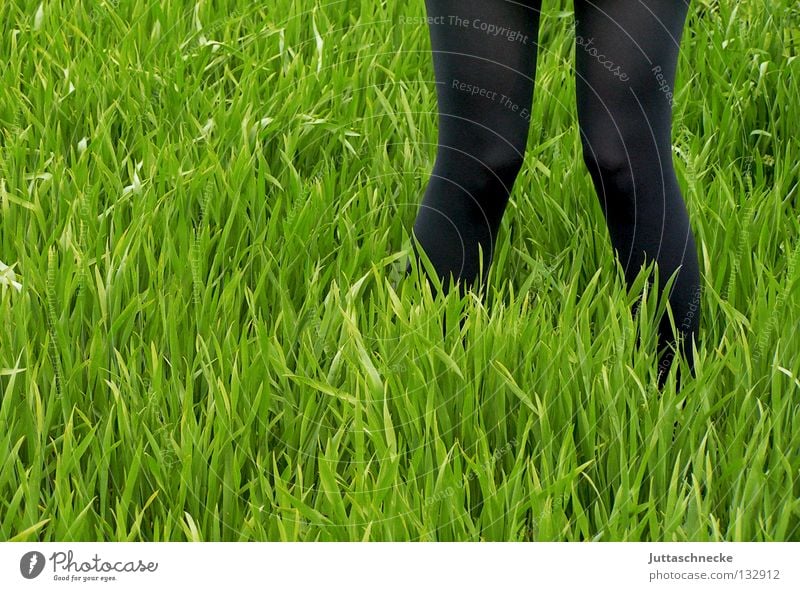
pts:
[484, 58]
[626, 55]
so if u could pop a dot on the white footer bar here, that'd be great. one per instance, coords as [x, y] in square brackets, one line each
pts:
[402, 566]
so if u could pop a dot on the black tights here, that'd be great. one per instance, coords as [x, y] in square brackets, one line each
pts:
[484, 57]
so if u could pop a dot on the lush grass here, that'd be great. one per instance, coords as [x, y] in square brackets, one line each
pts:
[206, 211]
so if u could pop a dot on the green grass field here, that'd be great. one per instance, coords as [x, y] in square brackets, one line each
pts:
[202, 332]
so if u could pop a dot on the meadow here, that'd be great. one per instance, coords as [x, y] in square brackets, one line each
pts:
[205, 333]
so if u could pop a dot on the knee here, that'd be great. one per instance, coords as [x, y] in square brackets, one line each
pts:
[491, 167]
[609, 165]
[502, 163]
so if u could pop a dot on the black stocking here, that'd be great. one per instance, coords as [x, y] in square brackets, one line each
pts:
[484, 55]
